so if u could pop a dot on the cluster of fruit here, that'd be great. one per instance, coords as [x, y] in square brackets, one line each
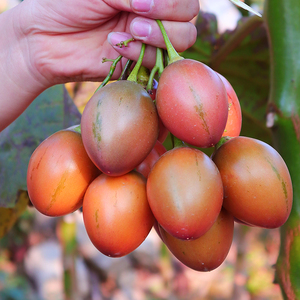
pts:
[118, 170]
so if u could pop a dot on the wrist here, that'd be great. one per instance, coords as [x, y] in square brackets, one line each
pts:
[19, 85]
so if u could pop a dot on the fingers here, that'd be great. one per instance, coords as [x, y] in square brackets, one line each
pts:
[175, 15]
[172, 10]
[182, 35]
[132, 51]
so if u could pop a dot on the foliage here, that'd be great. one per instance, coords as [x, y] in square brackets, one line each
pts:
[53, 110]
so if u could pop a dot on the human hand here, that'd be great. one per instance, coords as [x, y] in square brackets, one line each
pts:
[68, 39]
[49, 42]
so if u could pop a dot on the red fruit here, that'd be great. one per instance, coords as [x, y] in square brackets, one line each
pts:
[119, 127]
[116, 213]
[192, 102]
[234, 120]
[257, 185]
[208, 251]
[185, 192]
[59, 173]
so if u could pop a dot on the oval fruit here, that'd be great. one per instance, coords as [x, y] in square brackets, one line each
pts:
[185, 192]
[257, 184]
[116, 213]
[119, 127]
[192, 102]
[234, 120]
[59, 173]
[208, 251]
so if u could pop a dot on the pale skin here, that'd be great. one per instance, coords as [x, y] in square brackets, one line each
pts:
[48, 42]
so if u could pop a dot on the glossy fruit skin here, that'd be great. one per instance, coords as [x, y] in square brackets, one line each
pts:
[119, 127]
[257, 184]
[192, 102]
[116, 213]
[234, 120]
[185, 192]
[59, 172]
[145, 167]
[208, 251]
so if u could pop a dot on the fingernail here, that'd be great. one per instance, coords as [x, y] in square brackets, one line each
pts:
[142, 5]
[140, 28]
[115, 38]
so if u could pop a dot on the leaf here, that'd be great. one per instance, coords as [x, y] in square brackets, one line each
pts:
[208, 36]
[53, 110]
[8, 216]
[245, 6]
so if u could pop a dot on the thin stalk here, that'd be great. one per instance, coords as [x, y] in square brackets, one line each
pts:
[143, 76]
[172, 53]
[158, 68]
[176, 142]
[134, 73]
[125, 43]
[222, 141]
[111, 71]
[126, 69]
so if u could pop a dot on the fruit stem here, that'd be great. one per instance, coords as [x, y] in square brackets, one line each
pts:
[222, 141]
[111, 71]
[134, 72]
[177, 142]
[158, 68]
[76, 128]
[172, 53]
[143, 76]
[126, 69]
[151, 77]
[125, 43]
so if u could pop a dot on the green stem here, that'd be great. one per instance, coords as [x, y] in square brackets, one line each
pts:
[76, 128]
[176, 141]
[172, 53]
[283, 28]
[125, 43]
[222, 141]
[151, 77]
[126, 69]
[134, 73]
[158, 68]
[111, 71]
[143, 76]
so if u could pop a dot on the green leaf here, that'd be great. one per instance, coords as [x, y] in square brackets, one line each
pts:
[53, 110]
[245, 6]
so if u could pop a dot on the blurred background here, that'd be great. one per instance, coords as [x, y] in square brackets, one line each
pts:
[44, 258]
